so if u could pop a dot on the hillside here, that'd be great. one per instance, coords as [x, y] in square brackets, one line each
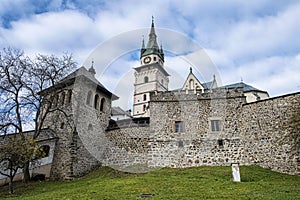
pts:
[166, 183]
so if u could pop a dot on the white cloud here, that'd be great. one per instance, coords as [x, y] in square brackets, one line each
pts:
[243, 39]
[51, 32]
[265, 36]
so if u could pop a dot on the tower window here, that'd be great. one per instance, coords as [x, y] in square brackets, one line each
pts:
[178, 126]
[146, 79]
[96, 101]
[154, 58]
[145, 97]
[69, 96]
[102, 103]
[63, 96]
[55, 101]
[144, 108]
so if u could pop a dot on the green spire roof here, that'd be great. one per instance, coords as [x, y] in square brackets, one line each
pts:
[152, 45]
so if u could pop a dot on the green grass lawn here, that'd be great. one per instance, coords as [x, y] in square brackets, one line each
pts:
[189, 183]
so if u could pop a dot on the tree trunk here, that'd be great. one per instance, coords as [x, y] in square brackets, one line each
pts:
[26, 173]
[10, 185]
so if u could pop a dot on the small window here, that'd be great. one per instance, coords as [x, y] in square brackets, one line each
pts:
[145, 97]
[162, 81]
[146, 79]
[178, 126]
[144, 108]
[154, 58]
[215, 125]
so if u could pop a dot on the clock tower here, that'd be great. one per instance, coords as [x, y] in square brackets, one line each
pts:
[150, 76]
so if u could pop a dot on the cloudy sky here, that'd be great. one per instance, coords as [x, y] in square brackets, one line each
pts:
[257, 41]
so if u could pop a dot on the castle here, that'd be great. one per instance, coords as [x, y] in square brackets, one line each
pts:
[198, 124]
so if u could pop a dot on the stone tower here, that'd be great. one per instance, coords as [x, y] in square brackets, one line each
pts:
[81, 109]
[150, 76]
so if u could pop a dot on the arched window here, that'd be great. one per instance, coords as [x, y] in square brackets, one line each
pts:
[145, 97]
[96, 101]
[144, 108]
[69, 96]
[62, 98]
[191, 87]
[102, 104]
[162, 81]
[88, 98]
[146, 79]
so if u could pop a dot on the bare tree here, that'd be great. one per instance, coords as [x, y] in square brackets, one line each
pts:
[21, 82]
[15, 153]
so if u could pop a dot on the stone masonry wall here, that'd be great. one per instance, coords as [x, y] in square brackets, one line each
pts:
[127, 146]
[197, 144]
[271, 130]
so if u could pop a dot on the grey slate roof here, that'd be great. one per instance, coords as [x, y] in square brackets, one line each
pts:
[246, 87]
[208, 85]
[119, 111]
[89, 75]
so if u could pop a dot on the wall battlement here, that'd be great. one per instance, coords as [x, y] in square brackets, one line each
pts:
[188, 95]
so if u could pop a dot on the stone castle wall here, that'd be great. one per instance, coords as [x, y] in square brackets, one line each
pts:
[197, 144]
[264, 133]
[271, 130]
[127, 146]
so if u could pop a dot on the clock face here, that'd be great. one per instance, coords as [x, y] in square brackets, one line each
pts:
[147, 59]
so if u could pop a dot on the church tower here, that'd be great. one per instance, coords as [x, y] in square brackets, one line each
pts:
[150, 76]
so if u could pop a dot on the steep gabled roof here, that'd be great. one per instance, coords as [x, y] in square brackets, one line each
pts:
[88, 75]
[190, 77]
[119, 111]
[82, 71]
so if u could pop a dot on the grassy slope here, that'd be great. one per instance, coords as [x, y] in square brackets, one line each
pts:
[189, 183]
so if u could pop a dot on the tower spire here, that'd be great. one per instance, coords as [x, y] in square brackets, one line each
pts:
[152, 42]
[152, 45]
[92, 69]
